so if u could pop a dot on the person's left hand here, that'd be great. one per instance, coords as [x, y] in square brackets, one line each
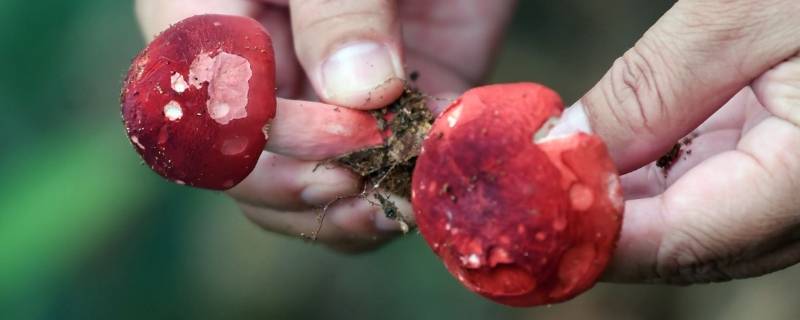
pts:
[351, 53]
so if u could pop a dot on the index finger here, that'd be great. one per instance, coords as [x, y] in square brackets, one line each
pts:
[696, 57]
[316, 131]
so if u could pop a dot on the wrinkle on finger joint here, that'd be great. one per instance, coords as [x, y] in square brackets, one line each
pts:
[637, 91]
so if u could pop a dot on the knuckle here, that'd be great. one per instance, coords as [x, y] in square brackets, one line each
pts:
[319, 28]
[726, 21]
[635, 89]
[324, 17]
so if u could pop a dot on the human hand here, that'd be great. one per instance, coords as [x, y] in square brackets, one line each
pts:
[726, 74]
[347, 53]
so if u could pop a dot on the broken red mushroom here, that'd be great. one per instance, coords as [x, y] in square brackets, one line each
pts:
[521, 219]
[196, 101]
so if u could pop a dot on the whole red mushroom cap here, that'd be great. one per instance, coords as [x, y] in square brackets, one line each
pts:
[517, 218]
[196, 101]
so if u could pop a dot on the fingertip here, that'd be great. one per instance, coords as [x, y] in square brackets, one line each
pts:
[326, 184]
[316, 131]
[438, 103]
[351, 50]
[360, 216]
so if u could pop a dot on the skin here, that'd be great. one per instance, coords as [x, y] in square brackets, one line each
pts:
[727, 70]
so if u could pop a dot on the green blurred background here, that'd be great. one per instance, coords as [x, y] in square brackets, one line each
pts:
[87, 232]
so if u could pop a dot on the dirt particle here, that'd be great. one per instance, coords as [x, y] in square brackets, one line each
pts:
[667, 160]
[687, 141]
[676, 152]
[389, 208]
[445, 189]
[414, 75]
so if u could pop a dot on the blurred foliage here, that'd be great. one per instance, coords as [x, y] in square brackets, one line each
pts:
[86, 232]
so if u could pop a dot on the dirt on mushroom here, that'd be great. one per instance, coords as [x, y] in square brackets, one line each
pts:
[386, 169]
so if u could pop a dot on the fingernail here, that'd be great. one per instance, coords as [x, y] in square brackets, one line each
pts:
[357, 68]
[325, 185]
[573, 120]
[383, 223]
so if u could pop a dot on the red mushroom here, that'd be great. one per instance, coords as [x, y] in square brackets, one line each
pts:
[197, 100]
[516, 218]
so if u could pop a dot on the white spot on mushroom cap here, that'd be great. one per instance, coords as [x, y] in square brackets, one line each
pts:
[228, 76]
[218, 110]
[615, 192]
[560, 223]
[173, 111]
[473, 261]
[178, 83]
[581, 197]
[135, 141]
[452, 118]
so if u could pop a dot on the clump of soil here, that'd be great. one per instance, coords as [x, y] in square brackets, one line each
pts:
[672, 156]
[387, 168]
[668, 159]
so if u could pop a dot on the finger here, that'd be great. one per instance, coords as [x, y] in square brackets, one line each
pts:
[696, 57]
[351, 50]
[317, 131]
[289, 76]
[652, 179]
[284, 183]
[735, 215]
[470, 30]
[718, 133]
[353, 224]
[156, 15]
[434, 77]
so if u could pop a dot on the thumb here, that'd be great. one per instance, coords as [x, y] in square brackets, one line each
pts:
[154, 16]
[694, 59]
[350, 50]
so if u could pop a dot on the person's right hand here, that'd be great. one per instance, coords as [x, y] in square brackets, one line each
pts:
[349, 53]
[730, 208]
